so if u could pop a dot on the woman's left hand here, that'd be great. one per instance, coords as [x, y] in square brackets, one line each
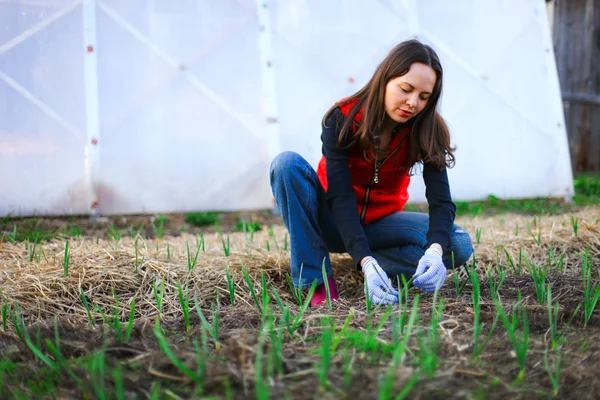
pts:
[431, 272]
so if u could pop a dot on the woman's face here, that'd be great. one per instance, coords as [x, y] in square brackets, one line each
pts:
[407, 95]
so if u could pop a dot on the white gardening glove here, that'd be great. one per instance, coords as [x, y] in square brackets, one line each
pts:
[379, 288]
[431, 272]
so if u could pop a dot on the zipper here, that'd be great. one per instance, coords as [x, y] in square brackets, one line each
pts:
[376, 176]
[375, 179]
[373, 182]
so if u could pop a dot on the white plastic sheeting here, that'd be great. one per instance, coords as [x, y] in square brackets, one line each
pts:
[127, 106]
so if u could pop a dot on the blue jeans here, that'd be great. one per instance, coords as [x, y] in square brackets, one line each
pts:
[398, 241]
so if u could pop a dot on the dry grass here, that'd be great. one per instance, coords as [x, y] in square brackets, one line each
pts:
[101, 266]
[132, 267]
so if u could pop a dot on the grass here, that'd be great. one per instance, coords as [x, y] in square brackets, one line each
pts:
[202, 218]
[587, 192]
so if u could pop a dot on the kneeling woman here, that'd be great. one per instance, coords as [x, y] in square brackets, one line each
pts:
[372, 141]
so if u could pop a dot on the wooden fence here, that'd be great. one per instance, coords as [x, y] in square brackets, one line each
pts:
[576, 35]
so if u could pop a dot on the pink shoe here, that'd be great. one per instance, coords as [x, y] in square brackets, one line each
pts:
[320, 295]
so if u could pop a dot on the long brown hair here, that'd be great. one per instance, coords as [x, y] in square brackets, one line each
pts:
[429, 138]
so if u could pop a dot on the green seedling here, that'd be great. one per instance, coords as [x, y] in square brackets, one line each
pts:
[249, 228]
[368, 299]
[118, 378]
[54, 348]
[97, 370]
[557, 263]
[155, 393]
[517, 230]
[368, 341]
[520, 266]
[326, 282]
[159, 226]
[347, 368]
[325, 353]
[129, 328]
[115, 235]
[297, 321]
[276, 336]
[230, 286]
[201, 241]
[575, 225]
[520, 342]
[168, 252]
[413, 317]
[430, 346]
[61, 363]
[19, 324]
[537, 239]
[5, 316]
[252, 291]
[158, 296]
[226, 247]
[191, 263]
[32, 249]
[115, 321]
[516, 268]
[459, 287]
[267, 245]
[137, 262]
[414, 379]
[214, 329]
[87, 308]
[264, 293]
[285, 310]
[39, 354]
[387, 386]
[553, 374]
[272, 236]
[496, 284]
[66, 259]
[135, 233]
[342, 332]
[12, 237]
[164, 346]
[479, 345]
[478, 235]
[228, 390]
[262, 387]
[555, 334]
[538, 274]
[201, 355]
[185, 306]
[591, 293]
[399, 322]
[285, 242]
[297, 293]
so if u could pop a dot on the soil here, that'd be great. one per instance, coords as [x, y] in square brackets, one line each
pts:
[144, 370]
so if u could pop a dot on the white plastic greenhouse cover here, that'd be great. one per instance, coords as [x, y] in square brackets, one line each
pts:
[129, 106]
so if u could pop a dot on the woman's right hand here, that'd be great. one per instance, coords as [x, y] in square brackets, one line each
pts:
[377, 286]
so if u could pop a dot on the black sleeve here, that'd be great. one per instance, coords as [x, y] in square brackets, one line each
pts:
[442, 210]
[341, 197]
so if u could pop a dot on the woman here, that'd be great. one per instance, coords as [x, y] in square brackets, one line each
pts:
[353, 203]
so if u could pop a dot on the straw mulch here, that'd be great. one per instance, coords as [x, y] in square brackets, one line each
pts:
[105, 269]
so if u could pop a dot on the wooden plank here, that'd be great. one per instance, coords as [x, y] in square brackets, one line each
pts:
[582, 98]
